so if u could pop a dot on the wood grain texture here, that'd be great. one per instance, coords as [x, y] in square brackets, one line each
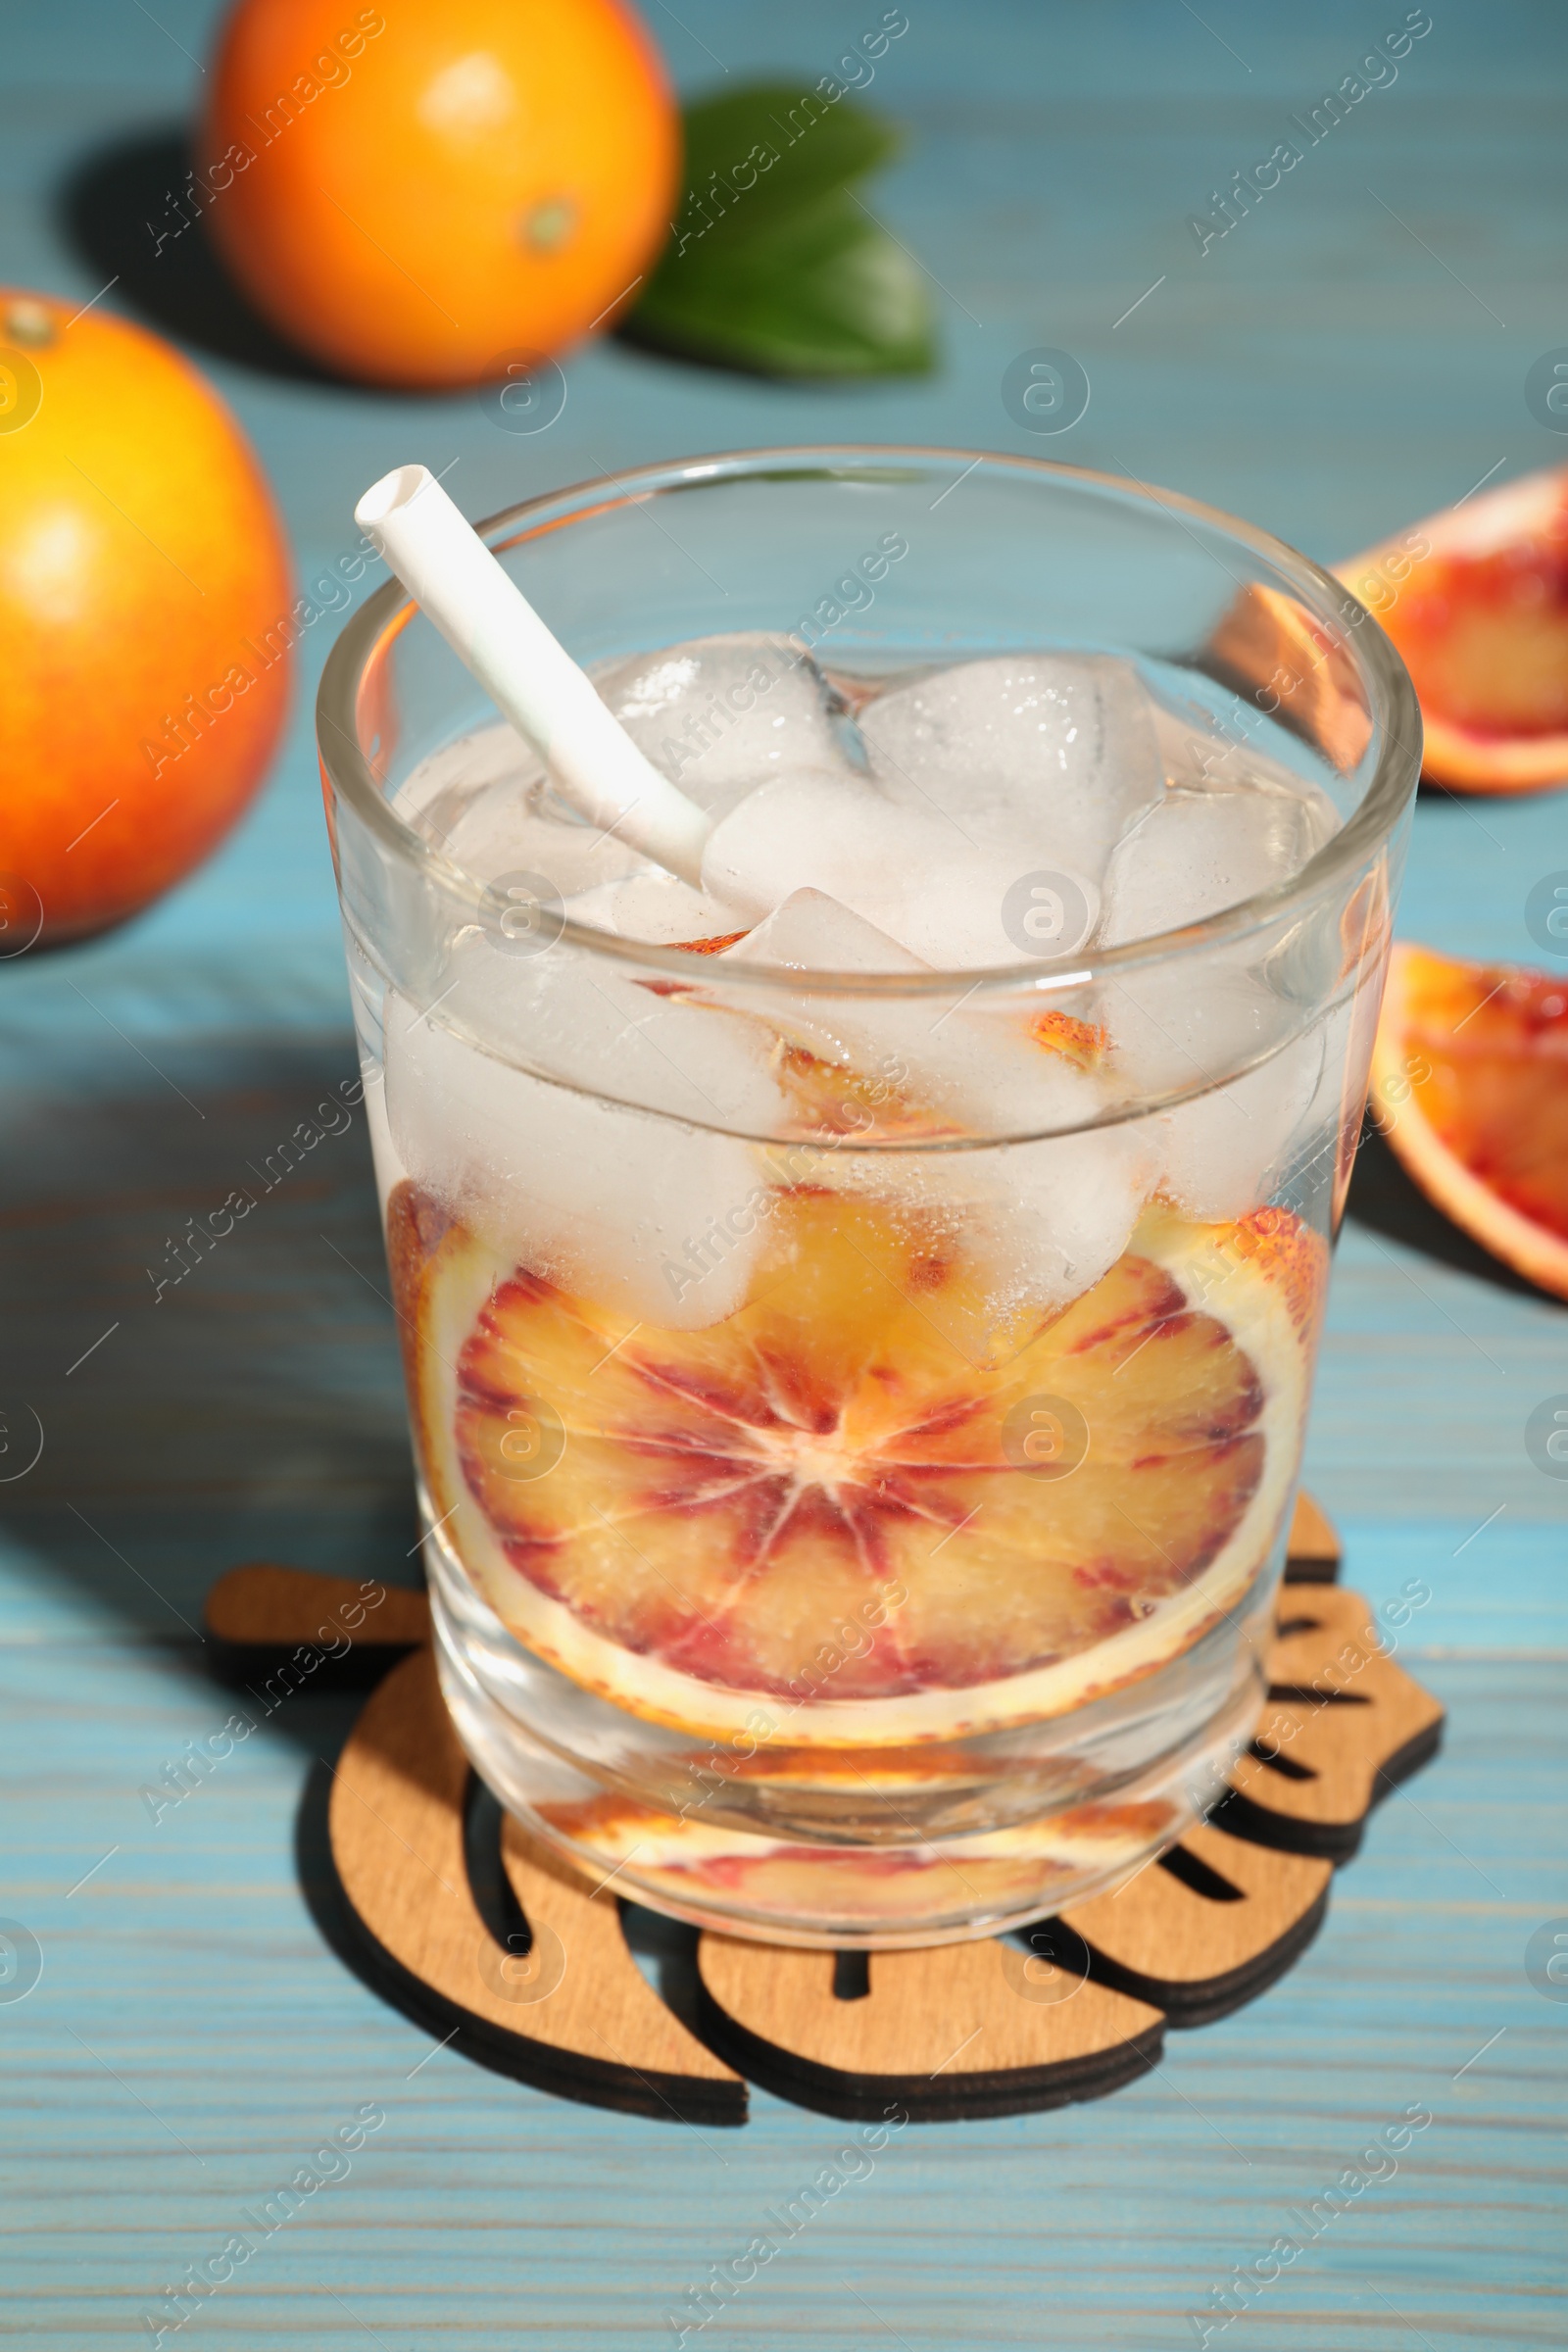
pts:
[956, 2031]
[264, 1606]
[603, 2009]
[1186, 1947]
[573, 2014]
[1343, 1723]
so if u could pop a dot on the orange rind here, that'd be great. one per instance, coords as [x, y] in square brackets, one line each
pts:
[690, 1865]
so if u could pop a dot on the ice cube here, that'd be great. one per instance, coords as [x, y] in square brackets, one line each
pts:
[438, 791]
[811, 931]
[721, 714]
[1044, 758]
[1067, 1210]
[869, 1039]
[1042, 1220]
[1200, 755]
[1183, 1028]
[1201, 850]
[909, 872]
[1039, 1224]
[574, 1014]
[495, 1100]
[657, 908]
[1220, 1150]
[1197, 854]
[980, 1066]
[486, 802]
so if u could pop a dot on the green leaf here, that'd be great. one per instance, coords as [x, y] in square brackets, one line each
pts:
[817, 143]
[773, 264]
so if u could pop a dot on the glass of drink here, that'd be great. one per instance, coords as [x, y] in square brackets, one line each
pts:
[858, 1360]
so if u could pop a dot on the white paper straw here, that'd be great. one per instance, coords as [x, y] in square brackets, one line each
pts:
[491, 626]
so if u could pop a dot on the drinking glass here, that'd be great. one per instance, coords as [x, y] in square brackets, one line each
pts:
[857, 1415]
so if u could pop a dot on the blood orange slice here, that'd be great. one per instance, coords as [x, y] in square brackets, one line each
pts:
[690, 1867]
[819, 1515]
[1476, 599]
[1471, 1072]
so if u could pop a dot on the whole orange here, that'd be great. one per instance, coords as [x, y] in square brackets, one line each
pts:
[144, 614]
[417, 197]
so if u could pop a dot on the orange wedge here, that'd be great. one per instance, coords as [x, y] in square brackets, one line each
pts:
[1476, 599]
[819, 1515]
[1470, 1085]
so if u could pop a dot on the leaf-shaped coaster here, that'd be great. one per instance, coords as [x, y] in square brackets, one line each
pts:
[773, 265]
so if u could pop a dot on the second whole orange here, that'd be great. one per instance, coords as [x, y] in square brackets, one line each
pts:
[418, 196]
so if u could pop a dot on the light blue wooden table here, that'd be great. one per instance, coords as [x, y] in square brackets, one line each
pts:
[1347, 359]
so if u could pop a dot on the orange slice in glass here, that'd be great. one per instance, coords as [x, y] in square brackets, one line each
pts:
[689, 1865]
[1476, 599]
[818, 1516]
[1470, 1086]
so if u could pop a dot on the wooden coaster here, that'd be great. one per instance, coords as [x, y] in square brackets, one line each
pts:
[960, 2030]
[573, 2014]
[1206, 1926]
[1343, 1726]
[1313, 1554]
[270, 1624]
[504, 1947]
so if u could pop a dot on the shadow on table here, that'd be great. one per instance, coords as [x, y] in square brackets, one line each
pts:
[1387, 1201]
[120, 208]
[251, 1409]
